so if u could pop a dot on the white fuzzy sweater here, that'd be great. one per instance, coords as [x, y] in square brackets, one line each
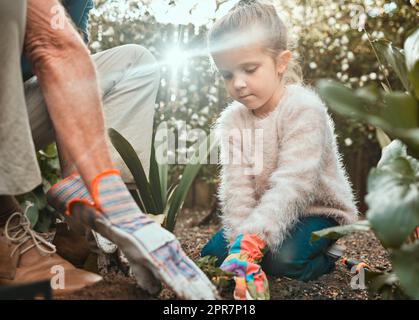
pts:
[297, 173]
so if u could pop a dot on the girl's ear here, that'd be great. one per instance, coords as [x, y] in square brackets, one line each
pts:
[282, 61]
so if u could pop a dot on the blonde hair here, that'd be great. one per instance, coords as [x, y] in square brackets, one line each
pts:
[252, 13]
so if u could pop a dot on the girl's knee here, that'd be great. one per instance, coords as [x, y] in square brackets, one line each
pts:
[298, 264]
[317, 267]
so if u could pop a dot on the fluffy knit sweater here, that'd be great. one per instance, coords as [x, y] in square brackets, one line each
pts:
[293, 171]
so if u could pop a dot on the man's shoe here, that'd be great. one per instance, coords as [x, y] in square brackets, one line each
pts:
[37, 259]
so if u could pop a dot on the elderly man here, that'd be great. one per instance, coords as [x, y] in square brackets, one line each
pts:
[92, 191]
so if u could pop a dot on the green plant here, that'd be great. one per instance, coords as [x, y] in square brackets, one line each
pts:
[41, 216]
[153, 195]
[219, 277]
[393, 186]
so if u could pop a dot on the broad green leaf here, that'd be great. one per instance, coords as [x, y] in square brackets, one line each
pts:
[344, 101]
[410, 137]
[395, 150]
[380, 283]
[49, 151]
[133, 163]
[163, 165]
[341, 231]
[45, 221]
[341, 98]
[155, 185]
[411, 49]
[383, 139]
[36, 196]
[32, 213]
[401, 110]
[405, 264]
[395, 58]
[369, 94]
[393, 196]
[164, 175]
[414, 79]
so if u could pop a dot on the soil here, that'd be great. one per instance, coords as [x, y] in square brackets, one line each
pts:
[336, 285]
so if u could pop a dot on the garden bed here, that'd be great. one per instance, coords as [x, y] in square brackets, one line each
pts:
[336, 285]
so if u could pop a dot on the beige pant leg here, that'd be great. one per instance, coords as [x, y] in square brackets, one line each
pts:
[19, 171]
[128, 80]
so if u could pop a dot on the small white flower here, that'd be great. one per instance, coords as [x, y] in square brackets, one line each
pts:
[109, 32]
[344, 40]
[313, 65]
[95, 45]
[348, 142]
[388, 7]
[213, 90]
[205, 110]
[364, 37]
[374, 12]
[331, 21]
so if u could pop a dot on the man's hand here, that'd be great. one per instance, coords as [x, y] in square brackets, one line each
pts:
[154, 254]
[243, 260]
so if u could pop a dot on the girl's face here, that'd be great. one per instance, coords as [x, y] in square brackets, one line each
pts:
[253, 77]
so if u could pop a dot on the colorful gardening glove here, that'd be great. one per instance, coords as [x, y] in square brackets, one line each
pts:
[151, 250]
[244, 257]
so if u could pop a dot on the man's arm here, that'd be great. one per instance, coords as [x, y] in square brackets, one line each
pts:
[78, 10]
[67, 78]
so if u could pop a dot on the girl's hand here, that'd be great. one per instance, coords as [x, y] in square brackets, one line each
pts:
[243, 260]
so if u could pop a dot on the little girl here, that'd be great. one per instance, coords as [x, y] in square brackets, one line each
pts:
[269, 214]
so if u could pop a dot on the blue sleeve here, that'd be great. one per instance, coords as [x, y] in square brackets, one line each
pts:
[78, 10]
[79, 13]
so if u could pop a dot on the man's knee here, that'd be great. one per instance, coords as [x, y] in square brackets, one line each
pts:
[142, 60]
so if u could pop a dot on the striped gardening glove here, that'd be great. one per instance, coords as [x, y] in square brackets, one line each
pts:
[72, 188]
[153, 252]
[244, 257]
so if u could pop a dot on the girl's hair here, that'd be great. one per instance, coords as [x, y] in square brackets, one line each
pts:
[253, 13]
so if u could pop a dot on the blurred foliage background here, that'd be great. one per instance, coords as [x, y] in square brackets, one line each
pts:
[330, 39]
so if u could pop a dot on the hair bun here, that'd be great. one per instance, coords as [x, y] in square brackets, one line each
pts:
[246, 2]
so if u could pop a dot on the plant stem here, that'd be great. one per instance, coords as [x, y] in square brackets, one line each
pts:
[380, 64]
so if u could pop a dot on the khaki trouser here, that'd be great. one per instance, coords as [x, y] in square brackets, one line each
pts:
[128, 79]
[19, 171]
